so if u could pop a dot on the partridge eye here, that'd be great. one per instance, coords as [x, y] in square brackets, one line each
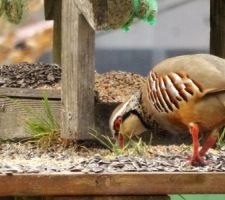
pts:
[117, 123]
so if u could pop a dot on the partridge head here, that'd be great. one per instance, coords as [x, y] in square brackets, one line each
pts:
[184, 94]
[127, 119]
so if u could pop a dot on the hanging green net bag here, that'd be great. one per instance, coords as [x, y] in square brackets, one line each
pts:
[121, 13]
[14, 10]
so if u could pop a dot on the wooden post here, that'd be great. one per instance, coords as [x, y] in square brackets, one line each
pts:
[57, 27]
[77, 60]
[217, 24]
[53, 12]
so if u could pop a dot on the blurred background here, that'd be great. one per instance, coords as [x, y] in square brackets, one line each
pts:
[182, 28]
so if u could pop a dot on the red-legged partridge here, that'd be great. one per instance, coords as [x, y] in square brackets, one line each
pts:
[183, 94]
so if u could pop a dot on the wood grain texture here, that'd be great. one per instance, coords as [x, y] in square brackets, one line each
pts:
[12, 116]
[86, 7]
[217, 25]
[53, 10]
[77, 73]
[141, 197]
[30, 93]
[112, 184]
[106, 14]
[57, 32]
[96, 13]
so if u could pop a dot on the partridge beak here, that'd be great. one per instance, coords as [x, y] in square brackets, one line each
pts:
[115, 136]
[120, 139]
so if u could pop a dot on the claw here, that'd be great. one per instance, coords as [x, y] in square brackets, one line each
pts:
[198, 161]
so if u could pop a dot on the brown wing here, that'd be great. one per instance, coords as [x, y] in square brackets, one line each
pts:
[169, 91]
[207, 70]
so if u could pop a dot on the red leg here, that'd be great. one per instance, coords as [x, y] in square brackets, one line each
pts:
[196, 159]
[210, 141]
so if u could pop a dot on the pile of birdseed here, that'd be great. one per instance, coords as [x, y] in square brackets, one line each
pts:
[27, 75]
[27, 158]
[114, 86]
[117, 86]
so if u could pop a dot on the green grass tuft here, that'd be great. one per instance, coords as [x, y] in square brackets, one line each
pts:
[42, 125]
[39, 124]
[221, 139]
[133, 146]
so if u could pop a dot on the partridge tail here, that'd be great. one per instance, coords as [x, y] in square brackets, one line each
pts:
[214, 91]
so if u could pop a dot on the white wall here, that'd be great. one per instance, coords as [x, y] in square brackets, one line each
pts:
[181, 24]
[182, 28]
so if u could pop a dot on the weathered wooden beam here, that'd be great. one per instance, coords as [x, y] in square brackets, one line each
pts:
[57, 32]
[217, 25]
[77, 184]
[141, 197]
[23, 93]
[49, 6]
[53, 10]
[94, 11]
[78, 64]
[106, 14]
[13, 115]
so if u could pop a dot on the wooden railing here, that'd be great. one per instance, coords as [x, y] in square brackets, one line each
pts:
[115, 184]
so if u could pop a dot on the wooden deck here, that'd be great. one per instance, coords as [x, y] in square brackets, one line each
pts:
[112, 184]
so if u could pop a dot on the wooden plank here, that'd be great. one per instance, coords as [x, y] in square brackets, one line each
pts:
[141, 197]
[57, 28]
[112, 184]
[30, 93]
[217, 25]
[77, 73]
[53, 9]
[13, 115]
[49, 7]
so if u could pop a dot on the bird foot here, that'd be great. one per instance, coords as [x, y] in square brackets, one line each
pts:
[197, 161]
